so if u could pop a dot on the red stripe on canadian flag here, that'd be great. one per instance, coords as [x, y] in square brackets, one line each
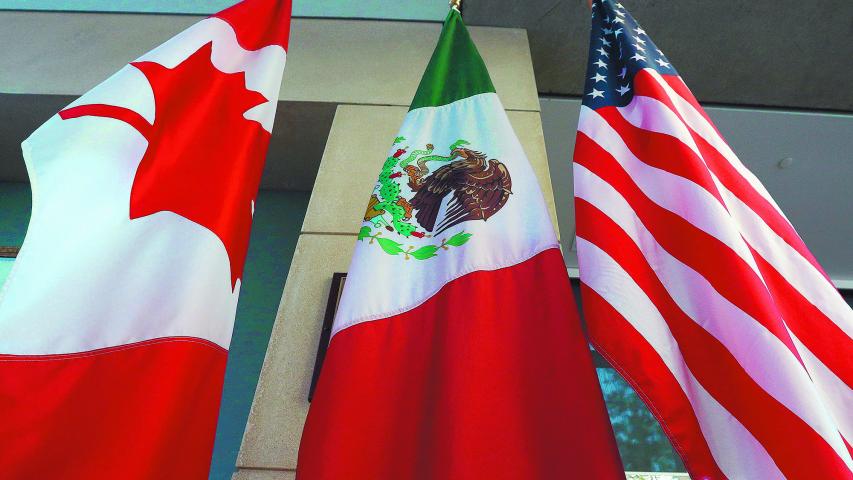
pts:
[116, 319]
[138, 411]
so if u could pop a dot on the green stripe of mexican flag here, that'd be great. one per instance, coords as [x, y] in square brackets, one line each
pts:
[456, 351]
[456, 69]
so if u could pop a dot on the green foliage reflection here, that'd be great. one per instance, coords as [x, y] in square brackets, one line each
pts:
[642, 443]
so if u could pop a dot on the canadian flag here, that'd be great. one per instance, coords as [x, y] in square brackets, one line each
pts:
[116, 319]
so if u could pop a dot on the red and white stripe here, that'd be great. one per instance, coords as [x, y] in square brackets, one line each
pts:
[700, 292]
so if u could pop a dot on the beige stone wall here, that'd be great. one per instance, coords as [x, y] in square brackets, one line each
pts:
[339, 61]
[264, 475]
[373, 110]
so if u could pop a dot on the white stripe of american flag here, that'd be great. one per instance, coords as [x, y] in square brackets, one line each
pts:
[768, 362]
[726, 437]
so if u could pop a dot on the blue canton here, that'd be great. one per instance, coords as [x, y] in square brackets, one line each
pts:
[618, 49]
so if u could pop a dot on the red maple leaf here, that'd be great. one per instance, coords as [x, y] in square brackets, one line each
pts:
[204, 159]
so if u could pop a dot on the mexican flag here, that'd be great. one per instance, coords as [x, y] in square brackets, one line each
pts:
[457, 351]
[116, 319]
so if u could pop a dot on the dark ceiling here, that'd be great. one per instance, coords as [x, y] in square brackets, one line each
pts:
[781, 53]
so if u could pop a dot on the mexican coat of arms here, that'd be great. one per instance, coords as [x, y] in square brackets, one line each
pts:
[407, 200]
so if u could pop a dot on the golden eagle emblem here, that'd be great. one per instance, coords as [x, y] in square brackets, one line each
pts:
[479, 187]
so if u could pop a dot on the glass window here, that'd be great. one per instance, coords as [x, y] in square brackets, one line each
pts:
[5, 268]
[646, 451]
[642, 444]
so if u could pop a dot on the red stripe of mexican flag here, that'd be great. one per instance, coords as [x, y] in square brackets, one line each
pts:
[457, 351]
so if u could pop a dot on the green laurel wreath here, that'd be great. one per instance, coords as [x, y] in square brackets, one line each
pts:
[392, 247]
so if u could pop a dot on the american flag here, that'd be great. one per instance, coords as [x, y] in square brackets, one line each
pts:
[696, 287]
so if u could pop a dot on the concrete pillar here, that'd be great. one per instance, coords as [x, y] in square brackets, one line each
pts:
[374, 68]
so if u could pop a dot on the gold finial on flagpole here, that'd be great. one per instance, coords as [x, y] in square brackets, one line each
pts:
[456, 5]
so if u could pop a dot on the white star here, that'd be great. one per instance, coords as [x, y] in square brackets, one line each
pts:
[619, 20]
[641, 41]
[600, 64]
[598, 77]
[596, 93]
[623, 72]
[662, 63]
[640, 48]
[620, 13]
[638, 57]
[607, 31]
[623, 90]
[607, 19]
[659, 52]
[619, 5]
[617, 33]
[640, 31]
[605, 42]
[602, 51]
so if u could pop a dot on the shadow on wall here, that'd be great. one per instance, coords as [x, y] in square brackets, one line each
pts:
[275, 230]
